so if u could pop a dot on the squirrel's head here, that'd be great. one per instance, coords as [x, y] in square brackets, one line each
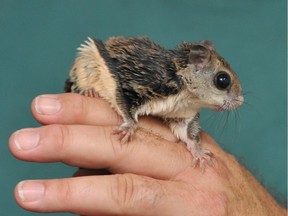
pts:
[210, 79]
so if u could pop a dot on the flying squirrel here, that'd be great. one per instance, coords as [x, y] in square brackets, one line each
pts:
[139, 77]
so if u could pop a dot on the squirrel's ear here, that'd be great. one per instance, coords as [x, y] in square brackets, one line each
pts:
[207, 44]
[199, 56]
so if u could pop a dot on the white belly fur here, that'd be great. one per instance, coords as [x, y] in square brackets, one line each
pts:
[176, 106]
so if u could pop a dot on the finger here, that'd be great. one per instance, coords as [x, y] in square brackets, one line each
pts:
[95, 147]
[125, 194]
[73, 109]
[78, 109]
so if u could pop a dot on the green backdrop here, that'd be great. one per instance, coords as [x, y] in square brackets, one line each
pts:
[38, 44]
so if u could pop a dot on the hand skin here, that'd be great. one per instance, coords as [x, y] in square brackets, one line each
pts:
[152, 174]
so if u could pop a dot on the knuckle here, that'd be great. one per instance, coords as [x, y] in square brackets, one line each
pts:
[61, 135]
[65, 192]
[132, 192]
[79, 107]
[123, 189]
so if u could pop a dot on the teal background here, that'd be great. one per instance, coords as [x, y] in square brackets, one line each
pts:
[38, 40]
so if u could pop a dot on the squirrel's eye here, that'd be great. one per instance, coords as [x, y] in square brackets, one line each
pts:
[222, 80]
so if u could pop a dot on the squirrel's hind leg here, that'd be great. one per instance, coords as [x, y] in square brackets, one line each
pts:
[126, 130]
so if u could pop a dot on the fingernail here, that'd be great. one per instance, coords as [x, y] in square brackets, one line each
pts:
[47, 104]
[30, 191]
[27, 139]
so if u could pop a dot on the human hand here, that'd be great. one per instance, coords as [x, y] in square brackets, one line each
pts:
[153, 173]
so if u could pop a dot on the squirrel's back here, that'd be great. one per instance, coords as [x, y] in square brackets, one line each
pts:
[131, 71]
